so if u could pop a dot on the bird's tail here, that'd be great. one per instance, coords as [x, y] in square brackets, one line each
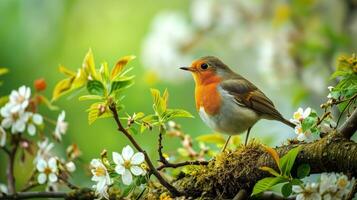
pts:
[287, 122]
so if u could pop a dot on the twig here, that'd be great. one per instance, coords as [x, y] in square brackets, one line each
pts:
[29, 186]
[30, 195]
[161, 155]
[181, 164]
[344, 109]
[348, 128]
[154, 171]
[10, 166]
[68, 184]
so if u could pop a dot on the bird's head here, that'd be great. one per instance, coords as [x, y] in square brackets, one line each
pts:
[207, 69]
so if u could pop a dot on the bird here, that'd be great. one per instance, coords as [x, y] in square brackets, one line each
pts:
[226, 101]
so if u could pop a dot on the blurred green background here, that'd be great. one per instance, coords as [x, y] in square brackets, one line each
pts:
[288, 48]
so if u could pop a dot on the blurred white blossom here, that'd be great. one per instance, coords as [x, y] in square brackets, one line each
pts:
[128, 163]
[34, 120]
[61, 126]
[43, 152]
[331, 186]
[202, 13]
[101, 176]
[308, 192]
[47, 170]
[19, 99]
[163, 48]
[2, 137]
[70, 166]
[14, 120]
[3, 189]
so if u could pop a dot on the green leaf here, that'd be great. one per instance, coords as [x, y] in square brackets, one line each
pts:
[308, 123]
[68, 85]
[98, 110]
[215, 138]
[296, 181]
[170, 114]
[160, 103]
[287, 161]
[120, 85]
[270, 170]
[119, 66]
[104, 72]
[287, 189]
[266, 183]
[303, 170]
[95, 87]
[90, 97]
[89, 65]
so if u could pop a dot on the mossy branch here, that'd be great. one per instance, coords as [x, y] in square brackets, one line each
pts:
[230, 172]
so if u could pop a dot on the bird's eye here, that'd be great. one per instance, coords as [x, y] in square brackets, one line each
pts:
[204, 66]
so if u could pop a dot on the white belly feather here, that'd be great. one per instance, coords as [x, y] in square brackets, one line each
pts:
[232, 118]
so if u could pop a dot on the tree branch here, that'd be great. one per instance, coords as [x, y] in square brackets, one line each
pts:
[32, 195]
[348, 128]
[231, 172]
[154, 171]
[10, 166]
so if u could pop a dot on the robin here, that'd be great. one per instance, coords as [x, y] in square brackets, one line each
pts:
[227, 102]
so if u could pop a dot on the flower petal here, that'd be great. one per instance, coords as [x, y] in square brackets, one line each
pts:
[52, 177]
[52, 163]
[127, 178]
[37, 119]
[117, 158]
[31, 129]
[120, 169]
[127, 152]
[6, 123]
[138, 158]
[41, 165]
[41, 178]
[136, 170]
[2, 137]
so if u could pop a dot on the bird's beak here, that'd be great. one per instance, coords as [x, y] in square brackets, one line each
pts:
[187, 69]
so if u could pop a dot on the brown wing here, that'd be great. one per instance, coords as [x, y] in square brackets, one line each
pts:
[248, 95]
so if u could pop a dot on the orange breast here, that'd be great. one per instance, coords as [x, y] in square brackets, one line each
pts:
[208, 96]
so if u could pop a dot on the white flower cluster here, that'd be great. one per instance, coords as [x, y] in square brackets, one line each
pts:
[47, 164]
[298, 118]
[17, 118]
[127, 164]
[332, 186]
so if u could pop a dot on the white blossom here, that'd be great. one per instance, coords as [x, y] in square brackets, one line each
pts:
[47, 170]
[3, 189]
[19, 99]
[34, 120]
[44, 148]
[300, 115]
[330, 88]
[163, 48]
[14, 120]
[128, 163]
[308, 192]
[101, 176]
[2, 137]
[61, 126]
[70, 166]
